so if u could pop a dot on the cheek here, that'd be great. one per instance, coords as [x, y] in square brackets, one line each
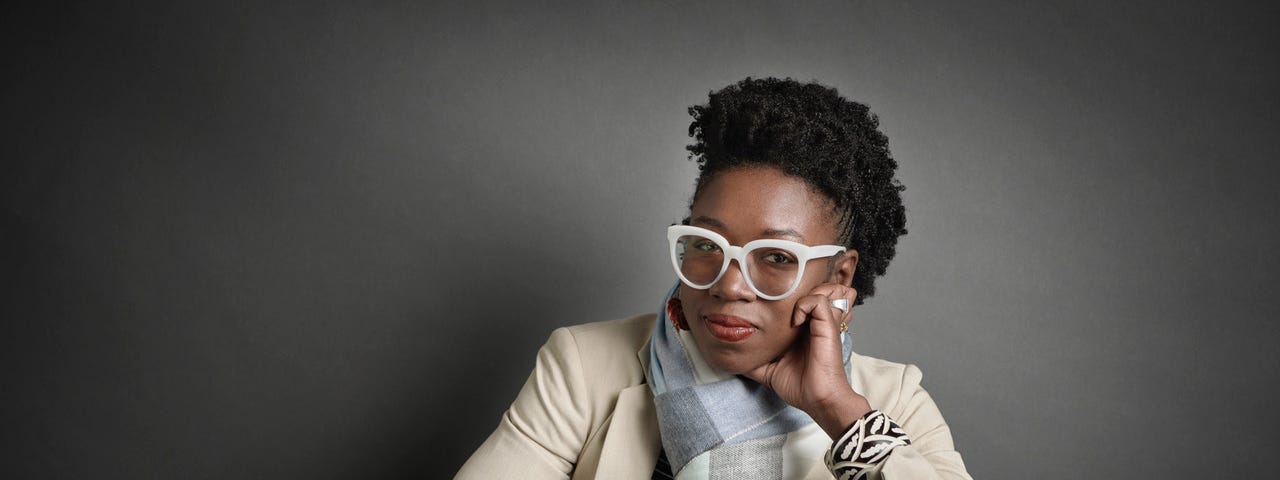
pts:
[690, 300]
[780, 313]
[816, 273]
[777, 341]
[780, 319]
[687, 295]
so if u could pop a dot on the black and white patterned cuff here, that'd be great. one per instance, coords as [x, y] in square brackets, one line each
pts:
[867, 443]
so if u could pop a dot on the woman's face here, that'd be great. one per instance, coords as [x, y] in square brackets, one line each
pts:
[745, 204]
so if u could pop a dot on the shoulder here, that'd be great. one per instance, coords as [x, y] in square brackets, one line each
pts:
[884, 383]
[612, 336]
[605, 352]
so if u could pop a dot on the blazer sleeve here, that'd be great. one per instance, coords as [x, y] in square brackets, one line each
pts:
[931, 454]
[541, 434]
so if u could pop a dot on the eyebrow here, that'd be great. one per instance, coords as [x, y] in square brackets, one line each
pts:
[768, 232]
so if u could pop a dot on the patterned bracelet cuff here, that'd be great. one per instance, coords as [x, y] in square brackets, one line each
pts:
[868, 442]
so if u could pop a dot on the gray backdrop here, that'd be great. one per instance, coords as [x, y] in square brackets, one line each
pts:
[262, 241]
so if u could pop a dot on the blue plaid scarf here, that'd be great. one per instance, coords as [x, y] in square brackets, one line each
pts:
[722, 422]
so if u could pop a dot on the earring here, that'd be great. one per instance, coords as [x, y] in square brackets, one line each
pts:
[675, 313]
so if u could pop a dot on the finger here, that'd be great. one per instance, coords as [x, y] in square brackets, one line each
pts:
[837, 291]
[816, 309]
[827, 324]
[805, 307]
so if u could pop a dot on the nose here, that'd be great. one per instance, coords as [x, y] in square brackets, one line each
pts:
[732, 285]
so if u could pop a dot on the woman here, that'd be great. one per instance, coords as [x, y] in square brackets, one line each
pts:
[747, 372]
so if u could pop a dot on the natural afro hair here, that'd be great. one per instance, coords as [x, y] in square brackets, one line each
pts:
[809, 131]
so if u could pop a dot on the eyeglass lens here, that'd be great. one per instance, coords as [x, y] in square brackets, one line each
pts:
[772, 270]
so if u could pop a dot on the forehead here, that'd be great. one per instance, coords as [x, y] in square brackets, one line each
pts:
[747, 203]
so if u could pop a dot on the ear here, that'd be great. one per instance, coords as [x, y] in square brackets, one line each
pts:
[843, 268]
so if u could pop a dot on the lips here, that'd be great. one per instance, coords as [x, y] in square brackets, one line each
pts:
[728, 328]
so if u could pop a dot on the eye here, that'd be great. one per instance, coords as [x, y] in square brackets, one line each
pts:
[706, 246]
[778, 257]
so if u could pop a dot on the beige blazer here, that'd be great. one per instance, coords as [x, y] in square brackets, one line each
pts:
[586, 412]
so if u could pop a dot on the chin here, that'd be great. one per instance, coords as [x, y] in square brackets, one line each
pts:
[734, 359]
[734, 364]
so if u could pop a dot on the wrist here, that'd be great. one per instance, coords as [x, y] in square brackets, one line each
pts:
[836, 416]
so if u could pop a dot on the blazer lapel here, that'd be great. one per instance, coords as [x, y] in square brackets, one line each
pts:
[632, 441]
[631, 444]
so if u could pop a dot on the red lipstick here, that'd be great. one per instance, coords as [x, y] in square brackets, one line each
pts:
[729, 329]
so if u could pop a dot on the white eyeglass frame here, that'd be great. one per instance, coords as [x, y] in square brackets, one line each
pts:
[803, 254]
